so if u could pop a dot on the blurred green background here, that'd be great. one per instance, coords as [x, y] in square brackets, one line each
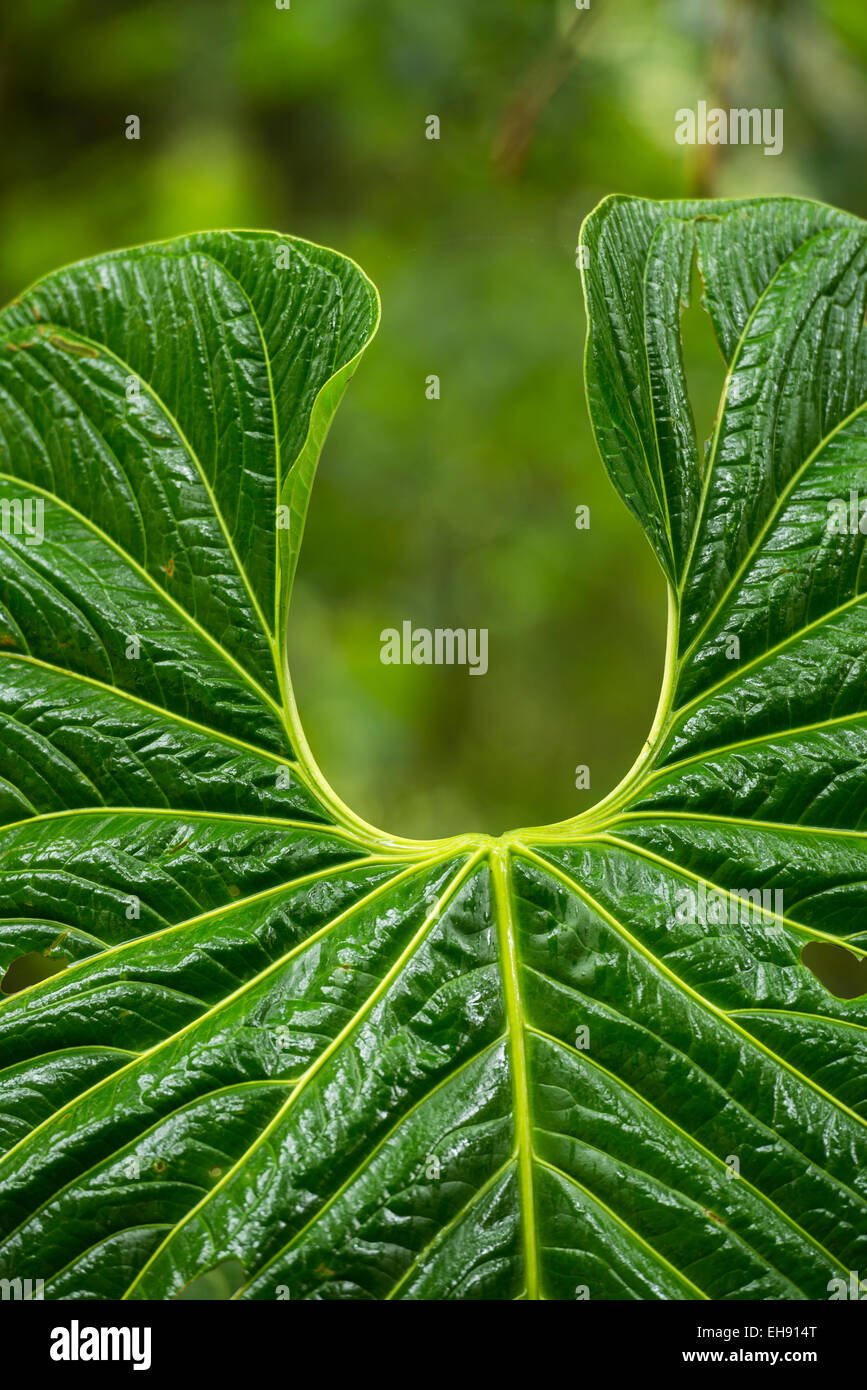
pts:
[458, 511]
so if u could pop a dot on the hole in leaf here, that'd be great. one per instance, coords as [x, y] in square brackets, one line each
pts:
[31, 969]
[703, 362]
[221, 1282]
[478, 533]
[841, 972]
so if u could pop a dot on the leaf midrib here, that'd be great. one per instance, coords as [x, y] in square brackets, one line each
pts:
[431, 918]
[680, 984]
[618, 1081]
[162, 594]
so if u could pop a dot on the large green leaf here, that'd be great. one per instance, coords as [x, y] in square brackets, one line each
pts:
[356, 1066]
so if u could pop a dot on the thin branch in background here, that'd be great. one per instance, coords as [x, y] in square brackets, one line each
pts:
[539, 85]
[722, 67]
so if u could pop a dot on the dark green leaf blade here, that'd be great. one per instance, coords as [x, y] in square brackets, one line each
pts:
[353, 1066]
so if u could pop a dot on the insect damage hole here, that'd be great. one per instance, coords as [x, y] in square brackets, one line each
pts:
[31, 969]
[703, 362]
[841, 972]
[221, 1282]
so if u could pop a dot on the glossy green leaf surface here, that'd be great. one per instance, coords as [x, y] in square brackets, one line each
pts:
[582, 1060]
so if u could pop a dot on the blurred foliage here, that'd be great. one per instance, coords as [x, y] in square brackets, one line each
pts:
[456, 512]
